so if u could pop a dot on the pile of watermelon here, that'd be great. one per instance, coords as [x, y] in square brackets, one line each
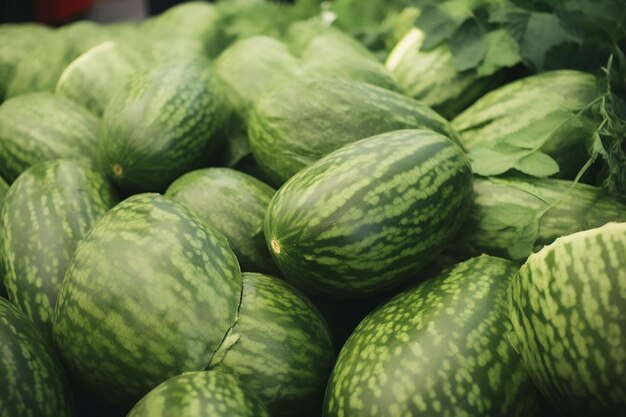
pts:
[341, 209]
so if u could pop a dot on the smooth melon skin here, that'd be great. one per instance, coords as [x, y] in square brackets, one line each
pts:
[568, 309]
[200, 394]
[280, 347]
[32, 383]
[233, 203]
[150, 293]
[438, 349]
[160, 125]
[369, 216]
[48, 210]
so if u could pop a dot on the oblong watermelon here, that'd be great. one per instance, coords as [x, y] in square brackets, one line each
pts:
[233, 203]
[280, 347]
[438, 349]
[568, 309]
[368, 216]
[195, 394]
[48, 209]
[32, 383]
[298, 123]
[39, 127]
[160, 125]
[150, 293]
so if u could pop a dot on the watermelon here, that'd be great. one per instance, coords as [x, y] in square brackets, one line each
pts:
[568, 309]
[337, 55]
[39, 127]
[32, 383]
[247, 18]
[92, 78]
[150, 280]
[534, 125]
[515, 216]
[233, 203]
[280, 347]
[438, 349]
[299, 122]
[48, 209]
[250, 67]
[301, 32]
[213, 393]
[370, 215]
[160, 125]
[4, 187]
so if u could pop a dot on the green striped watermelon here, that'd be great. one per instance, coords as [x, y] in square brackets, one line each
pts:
[32, 383]
[368, 216]
[233, 203]
[298, 123]
[515, 216]
[160, 125]
[280, 347]
[568, 309]
[48, 209]
[4, 187]
[39, 127]
[196, 394]
[438, 349]
[150, 293]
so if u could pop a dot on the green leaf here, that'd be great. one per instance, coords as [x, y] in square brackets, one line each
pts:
[468, 46]
[495, 160]
[537, 164]
[537, 133]
[437, 24]
[543, 32]
[524, 242]
[523, 220]
[502, 52]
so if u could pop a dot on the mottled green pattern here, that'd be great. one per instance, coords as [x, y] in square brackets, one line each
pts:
[500, 204]
[337, 55]
[4, 187]
[519, 112]
[438, 349]
[280, 347]
[31, 379]
[160, 125]
[368, 216]
[92, 78]
[251, 66]
[39, 127]
[298, 123]
[568, 308]
[233, 203]
[200, 394]
[48, 209]
[150, 293]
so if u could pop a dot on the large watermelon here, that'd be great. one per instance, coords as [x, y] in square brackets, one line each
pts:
[368, 216]
[4, 187]
[48, 209]
[300, 122]
[150, 293]
[195, 394]
[568, 309]
[280, 347]
[233, 203]
[39, 127]
[439, 349]
[32, 383]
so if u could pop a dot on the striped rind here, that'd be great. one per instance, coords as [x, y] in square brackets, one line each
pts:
[568, 309]
[208, 393]
[334, 54]
[48, 209]
[251, 66]
[92, 78]
[150, 293]
[298, 123]
[160, 125]
[280, 347]
[233, 203]
[576, 207]
[39, 127]
[438, 349]
[32, 383]
[368, 216]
